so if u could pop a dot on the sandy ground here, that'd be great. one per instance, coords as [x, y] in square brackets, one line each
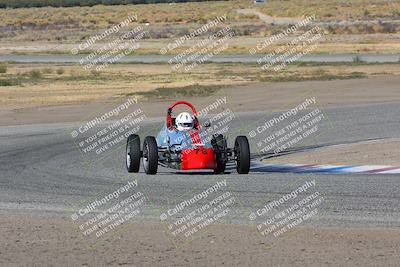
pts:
[43, 241]
[375, 152]
[333, 43]
[256, 97]
[37, 241]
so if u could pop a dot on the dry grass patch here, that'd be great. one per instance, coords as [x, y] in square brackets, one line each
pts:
[33, 85]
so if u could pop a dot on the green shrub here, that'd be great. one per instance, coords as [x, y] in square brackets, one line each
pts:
[35, 74]
[9, 82]
[69, 3]
[95, 73]
[3, 68]
[47, 70]
[60, 71]
[5, 82]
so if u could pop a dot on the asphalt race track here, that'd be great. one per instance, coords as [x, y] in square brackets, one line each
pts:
[42, 172]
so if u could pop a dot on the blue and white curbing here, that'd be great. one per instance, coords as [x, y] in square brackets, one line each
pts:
[307, 168]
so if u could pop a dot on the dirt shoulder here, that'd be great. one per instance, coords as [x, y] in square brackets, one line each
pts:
[374, 43]
[375, 152]
[249, 98]
[36, 241]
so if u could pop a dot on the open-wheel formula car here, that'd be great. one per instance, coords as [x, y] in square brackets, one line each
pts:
[183, 145]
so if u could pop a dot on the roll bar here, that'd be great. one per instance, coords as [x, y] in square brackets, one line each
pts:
[181, 102]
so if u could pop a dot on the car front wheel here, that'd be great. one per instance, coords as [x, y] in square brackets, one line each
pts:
[150, 155]
[242, 155]
[133, 153]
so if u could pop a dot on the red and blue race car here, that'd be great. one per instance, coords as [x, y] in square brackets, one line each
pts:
[182, 144]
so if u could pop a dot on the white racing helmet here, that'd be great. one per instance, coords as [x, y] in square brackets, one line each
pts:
[184, 121]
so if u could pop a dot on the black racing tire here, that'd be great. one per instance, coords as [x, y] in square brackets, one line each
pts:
[133, 153]
[150, 155]
[242, 154]
[219, 142]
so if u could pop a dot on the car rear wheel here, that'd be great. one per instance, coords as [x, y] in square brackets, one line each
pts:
[219, 145]
[133, 153]
[150, 155]
[242, 155]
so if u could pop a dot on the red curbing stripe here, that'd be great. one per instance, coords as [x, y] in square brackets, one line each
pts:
[382, 170]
